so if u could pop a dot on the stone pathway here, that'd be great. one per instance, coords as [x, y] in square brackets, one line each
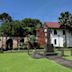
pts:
[37, 55]
[61, 60]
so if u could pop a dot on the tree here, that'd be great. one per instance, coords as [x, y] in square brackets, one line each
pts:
[5, 17]
[13, 28]
[6, 28]
[65, 21]
[32, 24]
[17, 28]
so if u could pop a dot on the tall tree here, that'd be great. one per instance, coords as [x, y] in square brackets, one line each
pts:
[65, 21]
[6, 28]
[32, 24]
[5, 17]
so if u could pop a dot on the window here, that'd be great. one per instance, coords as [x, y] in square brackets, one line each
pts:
[63, 32]
[55, 42]
[55, 32]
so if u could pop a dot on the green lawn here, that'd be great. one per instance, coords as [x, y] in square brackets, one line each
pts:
[67, 54]
[21, 62]
[68, 57]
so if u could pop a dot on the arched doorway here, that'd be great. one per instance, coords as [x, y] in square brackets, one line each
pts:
[9, 44]
[22, 40]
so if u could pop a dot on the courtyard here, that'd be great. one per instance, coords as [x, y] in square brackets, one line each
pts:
[22, 62]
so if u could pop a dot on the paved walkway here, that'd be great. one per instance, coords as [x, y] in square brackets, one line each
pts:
[61, 60]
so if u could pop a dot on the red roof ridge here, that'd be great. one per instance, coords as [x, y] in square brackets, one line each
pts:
[52, 24]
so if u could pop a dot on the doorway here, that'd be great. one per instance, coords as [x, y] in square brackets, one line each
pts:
[9, 44]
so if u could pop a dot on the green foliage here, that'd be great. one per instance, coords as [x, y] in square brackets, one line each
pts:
[23, 27]
[65, 44]
[6, 29]
[65, 20]
[5, 17]
[31, 24]
[32, 38]
[18, 28]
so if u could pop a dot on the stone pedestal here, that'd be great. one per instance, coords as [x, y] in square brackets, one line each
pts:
[50, 50]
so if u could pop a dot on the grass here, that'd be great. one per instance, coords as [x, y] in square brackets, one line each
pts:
[21, 62]
[68, 57]
[67, 54]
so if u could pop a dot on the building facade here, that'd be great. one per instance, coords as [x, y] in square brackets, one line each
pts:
[59, 37]
[10, 42]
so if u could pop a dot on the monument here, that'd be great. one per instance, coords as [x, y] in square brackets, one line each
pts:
[49, 50]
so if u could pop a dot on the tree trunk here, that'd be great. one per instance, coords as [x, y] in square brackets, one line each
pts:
[65, 39]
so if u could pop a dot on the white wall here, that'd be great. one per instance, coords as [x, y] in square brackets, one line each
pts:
[59, 37]
[69, 39]
[2, 40]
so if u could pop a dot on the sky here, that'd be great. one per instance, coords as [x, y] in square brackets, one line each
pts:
[45, 10]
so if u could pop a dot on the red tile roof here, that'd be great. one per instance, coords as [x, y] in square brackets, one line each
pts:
[52, 24]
